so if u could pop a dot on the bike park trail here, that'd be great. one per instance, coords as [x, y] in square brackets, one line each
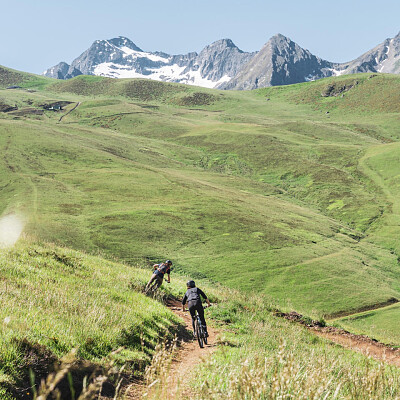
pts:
[184, 361]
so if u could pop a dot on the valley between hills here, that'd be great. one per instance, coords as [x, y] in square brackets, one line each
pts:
[274, 200]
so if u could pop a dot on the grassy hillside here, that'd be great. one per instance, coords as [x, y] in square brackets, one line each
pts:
[10, 77]
[262, 190]
[55, 300]
[381, 324]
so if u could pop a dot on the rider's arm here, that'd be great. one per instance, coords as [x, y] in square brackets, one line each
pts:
[184, 302]
[169, 279]
[202, 294]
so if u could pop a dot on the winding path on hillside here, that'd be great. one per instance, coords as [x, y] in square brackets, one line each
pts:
[183, 364]
[360, 343]
[70, 111]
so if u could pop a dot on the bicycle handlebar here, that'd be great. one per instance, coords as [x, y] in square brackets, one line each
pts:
[206, 306]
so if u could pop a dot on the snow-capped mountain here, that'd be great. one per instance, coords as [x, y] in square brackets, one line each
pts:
[223, 65]
[121, 58]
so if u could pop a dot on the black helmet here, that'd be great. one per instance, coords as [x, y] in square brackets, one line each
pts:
[190, 284]
[168, 262]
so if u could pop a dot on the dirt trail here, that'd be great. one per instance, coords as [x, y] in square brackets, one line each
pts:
[70, 111]
[189, 354]
[360, 343]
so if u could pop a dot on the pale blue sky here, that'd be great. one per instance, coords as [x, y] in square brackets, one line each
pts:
[35, 35]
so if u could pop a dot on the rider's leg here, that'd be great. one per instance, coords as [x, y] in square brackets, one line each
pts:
[192, 310]
[153, 277]
[200, 310]
[159, 281]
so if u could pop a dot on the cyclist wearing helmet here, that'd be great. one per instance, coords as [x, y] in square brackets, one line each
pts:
[158, 275]
[192, 297]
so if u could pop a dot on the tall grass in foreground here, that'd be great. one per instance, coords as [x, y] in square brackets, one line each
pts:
[278, 377]
[288, 376]
[265, 357]
[261, 356]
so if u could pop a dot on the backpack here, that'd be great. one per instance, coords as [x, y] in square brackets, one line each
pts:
[193, 295]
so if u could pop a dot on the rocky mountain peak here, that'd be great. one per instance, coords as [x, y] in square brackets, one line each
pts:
[122, 41]
[279, 38]
[280, 62]
[224, 43]
[59, 71]
[221, 60]
[220, 46]
[223, 65]
[282, 44]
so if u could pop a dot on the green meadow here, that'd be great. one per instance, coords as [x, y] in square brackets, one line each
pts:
[381, 324]
[250, 189]
[289, 192]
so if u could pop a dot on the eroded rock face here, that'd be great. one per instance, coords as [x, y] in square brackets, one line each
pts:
[280, 62]
[222, 59]
[59, 71]
[337, 88]
[223, 65]
[383, 58]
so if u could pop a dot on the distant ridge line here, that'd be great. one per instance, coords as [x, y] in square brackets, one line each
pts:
[222, 65]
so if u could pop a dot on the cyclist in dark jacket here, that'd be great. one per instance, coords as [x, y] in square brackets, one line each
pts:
[158, 275]
[193, 298]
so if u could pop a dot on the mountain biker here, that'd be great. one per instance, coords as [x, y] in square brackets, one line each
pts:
[192, 297]
[158, 275]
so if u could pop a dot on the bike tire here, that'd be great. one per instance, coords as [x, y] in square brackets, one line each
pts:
[199, 333]
[150, 291]
[205, 338]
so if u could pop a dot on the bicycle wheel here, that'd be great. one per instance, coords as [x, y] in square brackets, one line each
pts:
[205, 337]
[150, 290]
[199, 332]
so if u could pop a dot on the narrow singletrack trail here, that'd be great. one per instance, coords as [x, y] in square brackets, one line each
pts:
[361, 344]
[70, 111]
[186, 358]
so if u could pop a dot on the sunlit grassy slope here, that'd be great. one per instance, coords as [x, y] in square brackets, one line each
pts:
[265, 357]
[55, 300]
[381, 324]
[263, 191]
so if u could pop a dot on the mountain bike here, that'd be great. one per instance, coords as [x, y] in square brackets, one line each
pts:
[200, 332]
[153, 287]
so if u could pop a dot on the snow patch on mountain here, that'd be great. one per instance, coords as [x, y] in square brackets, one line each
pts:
[142, 54]
[167, 73]
[337, 72]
